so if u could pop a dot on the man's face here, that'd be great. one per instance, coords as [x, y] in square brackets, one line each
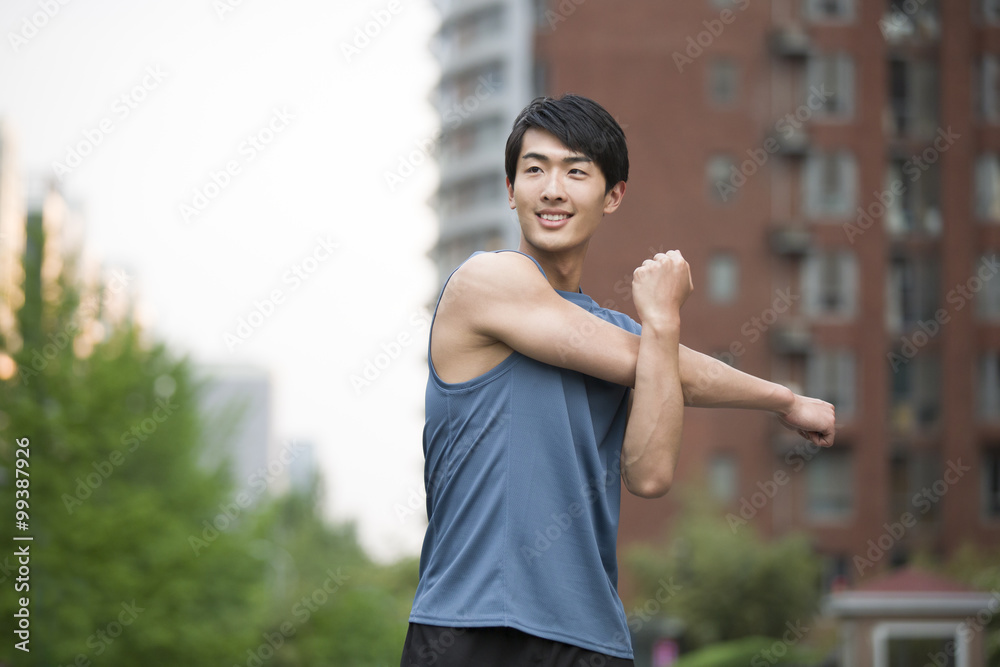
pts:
[558, 194]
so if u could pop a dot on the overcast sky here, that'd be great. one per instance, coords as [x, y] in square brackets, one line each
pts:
[230, 153]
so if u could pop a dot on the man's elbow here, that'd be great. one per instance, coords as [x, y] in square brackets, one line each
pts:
[651, 487]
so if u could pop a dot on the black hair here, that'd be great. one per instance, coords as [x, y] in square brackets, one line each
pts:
[582, 125]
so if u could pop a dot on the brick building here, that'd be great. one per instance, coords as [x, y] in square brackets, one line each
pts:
[831, 170]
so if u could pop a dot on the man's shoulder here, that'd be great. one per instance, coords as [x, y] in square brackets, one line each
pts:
[491, 271]
[492, 263]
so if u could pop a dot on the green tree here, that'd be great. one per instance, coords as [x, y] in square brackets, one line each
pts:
[727, 584]
[143, 552]
[114, 494]
[333, 605]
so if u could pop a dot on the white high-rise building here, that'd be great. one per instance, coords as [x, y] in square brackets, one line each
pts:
[236, 403]
[487, 76]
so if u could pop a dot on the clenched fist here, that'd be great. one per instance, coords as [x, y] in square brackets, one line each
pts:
[660, 286]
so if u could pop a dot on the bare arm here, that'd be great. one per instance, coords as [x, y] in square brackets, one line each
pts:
[656, 410]
[710, 383]
[503, 297]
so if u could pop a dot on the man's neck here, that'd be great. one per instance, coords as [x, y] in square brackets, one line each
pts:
[563, 269]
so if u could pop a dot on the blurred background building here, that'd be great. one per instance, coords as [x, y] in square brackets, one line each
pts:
[831, 170]
[488, 74]
[238, 403]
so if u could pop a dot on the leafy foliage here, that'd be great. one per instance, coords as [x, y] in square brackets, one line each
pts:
[730, 585]
[140, 555]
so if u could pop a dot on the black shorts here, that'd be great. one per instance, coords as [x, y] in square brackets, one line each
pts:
[435, 646]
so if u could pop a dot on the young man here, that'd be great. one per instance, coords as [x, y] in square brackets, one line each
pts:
[539, 401]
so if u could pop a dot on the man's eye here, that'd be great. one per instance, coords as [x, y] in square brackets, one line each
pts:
[578, 171]
[532, 170]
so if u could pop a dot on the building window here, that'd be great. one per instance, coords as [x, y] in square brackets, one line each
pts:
[830, 485]
[833, 75]
[912, 293]
[988, 187]
[466, 195]
[906, 20]
[723, 278]
[722, 478]
[913, 98]
[829, 10]
[911, 471]
[463, 94]
[718, 170]
[829, 283]
[917, 207]
[989, 386]
[830, 377]
[471, 29]
[988, 298]
[990, 11]
[723, 79]
[472, 137]
[991, 483]
[989, 87]
[915, 389]
[830, 183]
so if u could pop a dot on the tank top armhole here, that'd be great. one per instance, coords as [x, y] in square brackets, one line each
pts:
[496, 370]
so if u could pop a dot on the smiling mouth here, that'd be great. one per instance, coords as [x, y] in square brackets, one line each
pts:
[553, 220]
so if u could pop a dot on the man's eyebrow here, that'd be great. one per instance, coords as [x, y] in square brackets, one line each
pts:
[567, 160]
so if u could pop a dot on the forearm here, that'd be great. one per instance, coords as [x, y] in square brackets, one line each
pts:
[709, 383]
[653, 433]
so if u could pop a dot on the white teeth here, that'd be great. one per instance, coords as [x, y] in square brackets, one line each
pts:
[553, 217]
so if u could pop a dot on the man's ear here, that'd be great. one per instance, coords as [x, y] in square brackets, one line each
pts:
[510, 194]
[613, 199]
